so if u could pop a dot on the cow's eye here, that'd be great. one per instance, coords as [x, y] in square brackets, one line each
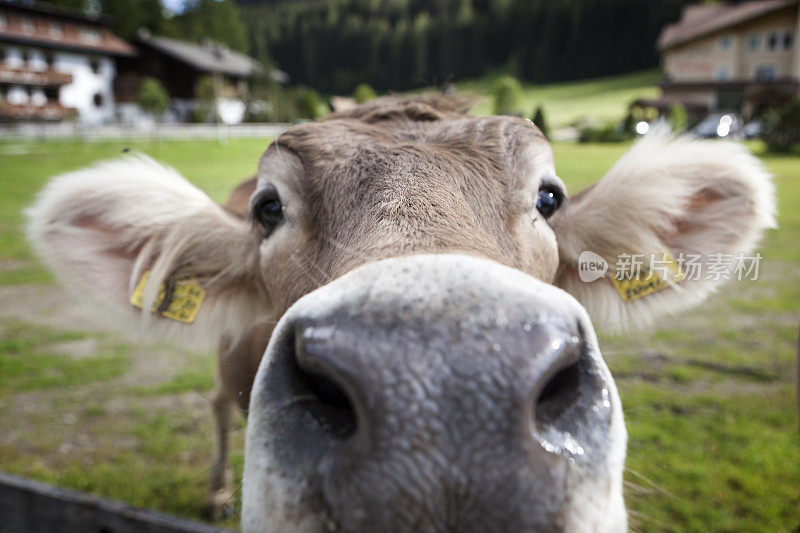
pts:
[549, 201]
[268, 210]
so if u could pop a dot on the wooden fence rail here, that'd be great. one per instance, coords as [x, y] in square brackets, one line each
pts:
[31, 507]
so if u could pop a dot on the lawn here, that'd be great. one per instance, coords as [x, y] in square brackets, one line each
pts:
[601, 98]
[707, 395]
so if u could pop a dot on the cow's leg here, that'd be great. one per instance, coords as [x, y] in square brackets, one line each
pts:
[220, 500]
[237, 365]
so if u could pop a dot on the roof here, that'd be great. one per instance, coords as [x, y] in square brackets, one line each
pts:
[701, 20]
[206, 57]
[46, 8]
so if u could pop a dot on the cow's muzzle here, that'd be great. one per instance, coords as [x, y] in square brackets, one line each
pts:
[434, 393]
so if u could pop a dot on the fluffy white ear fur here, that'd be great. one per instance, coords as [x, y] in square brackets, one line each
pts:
[678, 194]
[101, 227]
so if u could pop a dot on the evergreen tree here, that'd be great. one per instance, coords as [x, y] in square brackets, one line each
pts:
[218, 20]
[540, 121]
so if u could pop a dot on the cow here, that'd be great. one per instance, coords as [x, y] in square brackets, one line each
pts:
[402, 311]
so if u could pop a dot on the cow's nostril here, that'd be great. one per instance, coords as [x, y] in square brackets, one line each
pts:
[558, 395]
[571, 400]
[319, 393]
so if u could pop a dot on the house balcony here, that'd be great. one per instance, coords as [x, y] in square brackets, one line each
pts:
[51, 111]
[45, 78]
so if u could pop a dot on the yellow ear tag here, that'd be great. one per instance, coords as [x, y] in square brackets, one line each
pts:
[644, 280]
[186, 299]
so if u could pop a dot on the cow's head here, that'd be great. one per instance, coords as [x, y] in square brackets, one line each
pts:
[429, 370]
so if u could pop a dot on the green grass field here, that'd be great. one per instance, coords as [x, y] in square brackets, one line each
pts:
[599, 99]
[707, 395]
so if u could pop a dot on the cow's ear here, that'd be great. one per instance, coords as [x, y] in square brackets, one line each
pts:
[707, 203]
[104, 228]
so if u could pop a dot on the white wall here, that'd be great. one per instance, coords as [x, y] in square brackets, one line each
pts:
[85, 84]
[80, 94]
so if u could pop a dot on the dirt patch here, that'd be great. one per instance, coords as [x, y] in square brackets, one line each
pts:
[59, 420]
[53, 307]
[45, 305]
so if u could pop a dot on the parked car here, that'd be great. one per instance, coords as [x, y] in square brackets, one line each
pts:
[720, 126]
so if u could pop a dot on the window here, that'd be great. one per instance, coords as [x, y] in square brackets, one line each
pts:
[725, 42]
[95, 64]
[2, 55]
[27, 25]
[772, 42]
[51, 93]
[17, 95]
[55, 30]
[98, 100]
[38, 98]
[36, 59]
[753, 42]
[766, 73]
[90, 35]
[723, 73]
[788, 40]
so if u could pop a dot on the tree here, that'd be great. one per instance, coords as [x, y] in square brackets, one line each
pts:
[540, 121]
[205, 96]
[507, 95]
[220, 21]
[130, 15]
[152, 97]
[364, 93]
[629, 123]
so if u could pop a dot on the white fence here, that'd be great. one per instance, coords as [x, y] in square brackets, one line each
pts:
[118, 132]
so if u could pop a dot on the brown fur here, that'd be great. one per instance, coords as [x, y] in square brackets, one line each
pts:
[239, 200]
[460, 180]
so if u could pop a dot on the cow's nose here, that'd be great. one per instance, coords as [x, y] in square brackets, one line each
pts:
[439, 390]
[350, 380]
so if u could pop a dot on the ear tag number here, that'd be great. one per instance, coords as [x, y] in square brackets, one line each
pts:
[645, 281]
[187, 297]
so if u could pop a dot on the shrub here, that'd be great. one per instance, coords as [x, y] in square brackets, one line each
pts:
[152, 97]
[781, 128]
[507, 96]
[678, 118]
[609, 132]
[364, 93]
[540, 121]
[309, 103]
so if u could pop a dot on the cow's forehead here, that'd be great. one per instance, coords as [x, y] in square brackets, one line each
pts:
[492, 134]
[337, 150]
